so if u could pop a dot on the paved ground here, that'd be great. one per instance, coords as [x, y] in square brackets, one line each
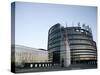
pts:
[41, 69]
[56, 68]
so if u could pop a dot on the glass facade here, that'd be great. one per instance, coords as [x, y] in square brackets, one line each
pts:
[58, 53]
[83, 48]
[75, 45]
[54, 40]
[25, 55]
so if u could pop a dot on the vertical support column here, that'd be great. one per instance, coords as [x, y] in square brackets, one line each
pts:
[65, 49]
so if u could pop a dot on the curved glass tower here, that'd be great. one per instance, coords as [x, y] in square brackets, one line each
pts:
[54, 39]
[58, 47]
[83, 48]
[71, 45]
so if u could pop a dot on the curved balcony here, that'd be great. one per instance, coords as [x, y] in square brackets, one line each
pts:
[82, 47]
[82, 42]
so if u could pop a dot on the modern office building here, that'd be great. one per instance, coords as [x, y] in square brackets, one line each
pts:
[71, 45]
[26, 55]
[58, 47]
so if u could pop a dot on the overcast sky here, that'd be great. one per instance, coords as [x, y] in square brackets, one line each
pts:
[33, 20]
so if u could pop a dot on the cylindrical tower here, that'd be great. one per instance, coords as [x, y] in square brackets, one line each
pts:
[58, 46]
[54, 39]
[71, 45]
[83, 48]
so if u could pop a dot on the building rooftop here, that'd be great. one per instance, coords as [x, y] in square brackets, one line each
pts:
[27, 48]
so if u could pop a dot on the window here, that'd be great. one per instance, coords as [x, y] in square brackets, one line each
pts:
[77, 30]
[82, 31]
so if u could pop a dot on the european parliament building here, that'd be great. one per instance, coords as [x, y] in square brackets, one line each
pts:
[71, 45]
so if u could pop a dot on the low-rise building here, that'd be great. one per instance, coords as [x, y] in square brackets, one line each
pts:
[23, 54]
